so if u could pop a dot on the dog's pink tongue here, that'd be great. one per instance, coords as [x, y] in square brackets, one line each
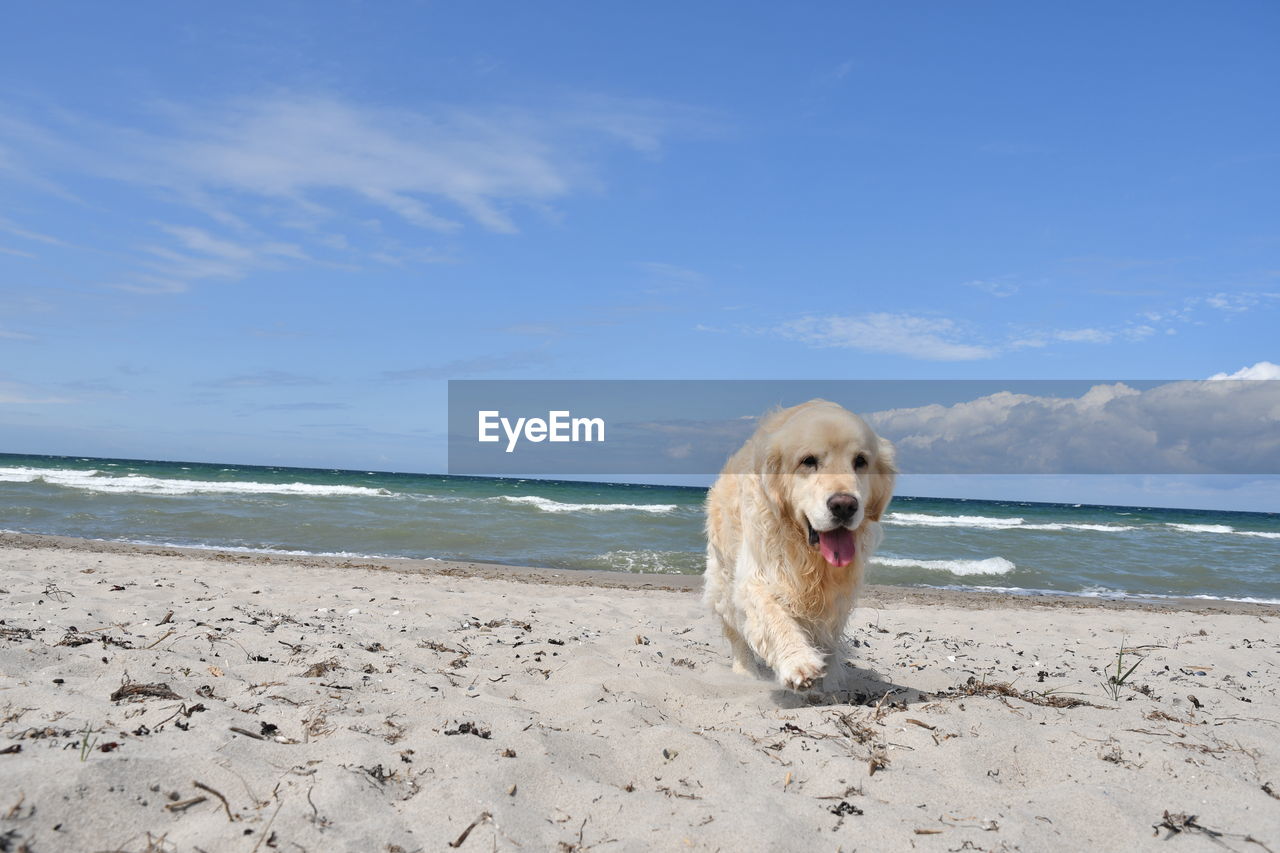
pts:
[837, 546]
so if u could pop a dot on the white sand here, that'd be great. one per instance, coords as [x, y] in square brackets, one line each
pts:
[608, 719]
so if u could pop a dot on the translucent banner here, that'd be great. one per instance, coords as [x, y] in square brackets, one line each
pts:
[550, 428]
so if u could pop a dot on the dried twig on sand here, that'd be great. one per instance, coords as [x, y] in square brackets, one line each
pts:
[1180, 822]
[973, 687]
[461, 839]
[156, 690]
[225, 805]
[325, 666]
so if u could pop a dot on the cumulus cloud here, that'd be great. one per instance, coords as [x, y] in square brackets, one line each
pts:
[1177, 428]
[1261, 370]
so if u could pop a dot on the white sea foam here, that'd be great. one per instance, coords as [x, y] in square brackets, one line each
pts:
[985, 522]
[1103, 592]
[1222, 528]
[1202, 528]
[1100, 528]
[989, 566]
[648, 562]
[93, 481]
[920, 519]
[548, 505]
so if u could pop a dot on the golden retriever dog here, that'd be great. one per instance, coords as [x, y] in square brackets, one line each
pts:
[791, 523]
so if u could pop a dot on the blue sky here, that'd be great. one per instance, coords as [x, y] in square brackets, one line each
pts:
[269, 232]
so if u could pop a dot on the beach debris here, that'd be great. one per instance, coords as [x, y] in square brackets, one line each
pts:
[461, 839]
[15, 748]
[878, 760]
[466, 728]
[322, 668]
[844, 808]
[225, 805]
[183, 805]
[168, 617]
[14, 633]
[134, 690]
[246, 733]
[58, 594]
[72, 639]
[1179, 822]
[974, 687]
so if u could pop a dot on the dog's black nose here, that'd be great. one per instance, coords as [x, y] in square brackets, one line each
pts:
[842, 506]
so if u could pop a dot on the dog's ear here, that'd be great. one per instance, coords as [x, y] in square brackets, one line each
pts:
[768, 465]
[882, 480]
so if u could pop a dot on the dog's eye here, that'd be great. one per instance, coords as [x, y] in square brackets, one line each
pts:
[859, 461]
[809, 462]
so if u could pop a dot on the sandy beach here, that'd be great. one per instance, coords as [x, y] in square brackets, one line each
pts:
[160, 699]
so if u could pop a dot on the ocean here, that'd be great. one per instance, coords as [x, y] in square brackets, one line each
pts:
[1017, 547]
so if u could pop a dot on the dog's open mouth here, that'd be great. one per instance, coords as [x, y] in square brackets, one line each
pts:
[837, 546]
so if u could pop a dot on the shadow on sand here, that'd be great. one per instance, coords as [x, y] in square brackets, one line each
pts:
[863, 687]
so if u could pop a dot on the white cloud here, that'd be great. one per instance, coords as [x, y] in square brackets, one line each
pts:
[1087, 336]
[21, 394]
[671, 271]
[1261, 370]
[927, 338]
[257, 165]
[1179, 427]
[996, 287]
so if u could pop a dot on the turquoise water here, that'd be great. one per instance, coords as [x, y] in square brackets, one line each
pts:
[1088, 550]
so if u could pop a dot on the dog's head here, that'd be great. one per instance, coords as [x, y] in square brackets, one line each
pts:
[826, 472]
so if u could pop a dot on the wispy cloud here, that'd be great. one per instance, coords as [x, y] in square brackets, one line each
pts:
[322, 164]
[263, 379]
[202, 255]
[926, 338]
[16, 230]
[995, 287]
[673, 272]
[463, 368]
[1086, 335]
[22, 394]
[303, 407]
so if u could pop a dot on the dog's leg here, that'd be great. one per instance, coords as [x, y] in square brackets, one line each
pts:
[744, 661]
[777, 637]
[718, 598]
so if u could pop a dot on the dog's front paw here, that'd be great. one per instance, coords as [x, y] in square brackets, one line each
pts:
[801, 671]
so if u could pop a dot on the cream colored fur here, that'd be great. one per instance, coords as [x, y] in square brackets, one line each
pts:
[778, 599]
